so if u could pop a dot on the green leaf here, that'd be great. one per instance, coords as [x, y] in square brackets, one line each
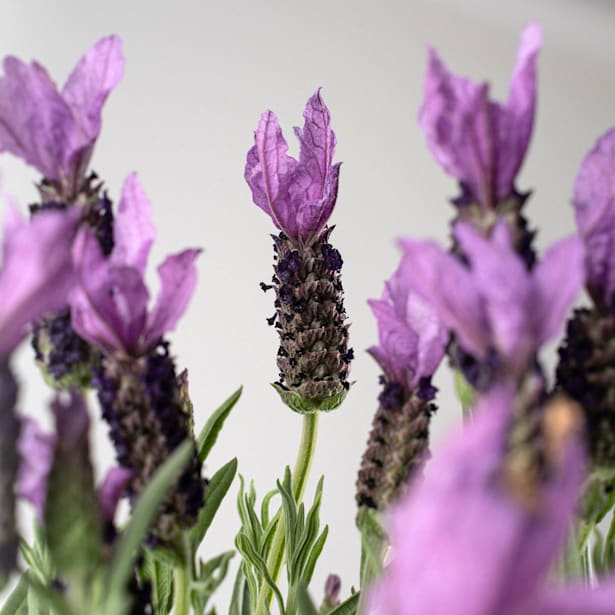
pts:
[348, 607]
[209, 434]
[304, 602]
[160, 576]
[144, 513]
[313, 555]
[211, 575]
[17, 598]
[218, 487]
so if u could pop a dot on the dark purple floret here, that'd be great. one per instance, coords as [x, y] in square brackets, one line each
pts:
[288, 266]
[391, 395]
[426, 391]
[479, 374]
[100, 218]
[57, 345]
[331, 257]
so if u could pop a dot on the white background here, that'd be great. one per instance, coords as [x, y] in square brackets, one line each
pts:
[198, 76]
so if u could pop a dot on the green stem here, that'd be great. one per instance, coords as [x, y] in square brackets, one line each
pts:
[183, 578]
[299, 478]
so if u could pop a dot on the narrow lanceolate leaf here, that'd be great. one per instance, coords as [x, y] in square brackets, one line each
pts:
[216, 490]
[17, 598]
[143, 515]
[348, 607]
[209, 434]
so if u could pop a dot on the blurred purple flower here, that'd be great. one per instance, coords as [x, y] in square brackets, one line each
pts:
[55, 131]
[37, 271]
[480, 142]
[495, 303]
[412, 340]
[298, 195]
[467, 540]
[594, 203]
[36, 449]
[110, 302]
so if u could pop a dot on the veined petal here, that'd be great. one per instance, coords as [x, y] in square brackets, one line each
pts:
[37, 272]
[317, 146]
[133, 230]
[36, 124]
[178, 276]
[594, 203]
[449, 288]
[398, 342]
[557, 280]
[313, 215]
[455, 117]
[515, 119]
[109, 306]
[268, 172]
[504, 286]
[90, 82]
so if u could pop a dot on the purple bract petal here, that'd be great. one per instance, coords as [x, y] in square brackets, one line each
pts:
[411, 338]
[298, 195]
[91, 81]
[37, 272]
[52, 131]
[178, 278]
[594, 203]
[36, 124]
[36, 450]
[451, 290]
[133, 230]
[479, 142]
[580, 600]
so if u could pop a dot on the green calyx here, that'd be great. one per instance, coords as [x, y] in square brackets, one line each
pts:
[303, 405]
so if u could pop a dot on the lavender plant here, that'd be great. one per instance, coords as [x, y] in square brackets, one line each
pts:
[504, 518]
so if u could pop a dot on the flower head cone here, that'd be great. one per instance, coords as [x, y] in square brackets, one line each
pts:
[477, 536]
[137, 382]
[481, 142]
[411, 345]
[299, 196]
[587, 355]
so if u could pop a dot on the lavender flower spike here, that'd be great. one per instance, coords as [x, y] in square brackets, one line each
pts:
[480, 142]
[594, 203]
[299, 195]
[495, 304]
[52, 130]
[487, 535]
[412, 344]
[137, 383]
